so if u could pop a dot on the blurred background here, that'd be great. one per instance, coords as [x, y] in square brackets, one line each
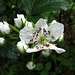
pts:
[14, 63]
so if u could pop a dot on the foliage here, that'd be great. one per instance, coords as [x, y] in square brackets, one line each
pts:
[13, 63]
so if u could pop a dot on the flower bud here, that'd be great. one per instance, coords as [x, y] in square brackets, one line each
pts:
[46, 52]
[30, 65]
[21, 46]
[4, 27]
[2, 41]
[18, 21]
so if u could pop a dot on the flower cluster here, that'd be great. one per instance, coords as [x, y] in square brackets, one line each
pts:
[35, 38]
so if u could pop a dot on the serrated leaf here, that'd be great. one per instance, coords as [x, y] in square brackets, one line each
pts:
[2, 6]
[9, 49]
[39, 67]
[52, 73]
[34, 7]
[48, 66]
[44, 72]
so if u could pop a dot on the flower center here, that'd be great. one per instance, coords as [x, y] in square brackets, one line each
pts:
[42, 39]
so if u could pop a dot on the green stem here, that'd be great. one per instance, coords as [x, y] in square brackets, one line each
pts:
[32, 56]
[14, 28]
[12, 37]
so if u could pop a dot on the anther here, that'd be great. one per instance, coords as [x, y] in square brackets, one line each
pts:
[40, 28]
[49, 32]
[47, 45]
[37, 47]
[44, 29]
[36, 35]
[31, 40]
[52, 37]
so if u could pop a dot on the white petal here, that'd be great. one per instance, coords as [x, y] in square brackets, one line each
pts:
[4, 28]
[30, 65]
[21, 45]
[1, 24]
[53, 47]
[37, 48]
[26, 34]
[2, 41]
[61, 37]
[29, 24]
[56, 29]
[54, 21]
[18, 20]
[41, 23]
[46, 52]
[21, 16]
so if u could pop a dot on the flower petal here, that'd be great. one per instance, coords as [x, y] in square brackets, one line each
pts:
[37, 48]
[53, 47]
[21, 45]
[56, 29]
[26, 34]
[30, 65]
[41, 23]
[21, 16]
[28, 24]
[2, 40]
[18, 20]
[4, 27]
[61, 37]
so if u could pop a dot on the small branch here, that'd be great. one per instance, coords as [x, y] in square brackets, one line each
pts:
[12, 27]
[32, 56]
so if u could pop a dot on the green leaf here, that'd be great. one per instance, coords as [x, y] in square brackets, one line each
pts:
[9, 49]
[39, 67]
[48, 66]
[2, 6]
[34, 7]
[52, 73]
[44, 72]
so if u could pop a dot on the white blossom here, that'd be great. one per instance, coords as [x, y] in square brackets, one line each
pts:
[4, 27]
[21, 46]
[28, 24]
[61, 37]
[42, 35]
[30, 65]
[18, 20]
[2, 40]
[46, 52]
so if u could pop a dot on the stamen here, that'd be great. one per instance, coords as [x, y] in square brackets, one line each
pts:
[44, 29]
[37, 47]
[49, 32]
[40, 28]
[42, 47]
[36, 35]
[52, 37]
[47, 45]
[31, 40]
